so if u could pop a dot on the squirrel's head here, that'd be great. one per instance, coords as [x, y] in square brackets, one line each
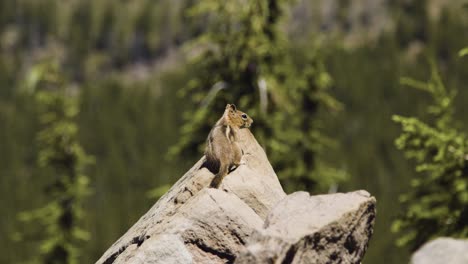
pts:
[237, 117]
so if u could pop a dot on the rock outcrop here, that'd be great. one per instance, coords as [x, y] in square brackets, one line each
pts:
[313, 229]
[248, 220]
[442, 250]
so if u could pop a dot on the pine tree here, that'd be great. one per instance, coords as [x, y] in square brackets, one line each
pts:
[411, 21]
[62, 160]
[243, 57]
[437, 203]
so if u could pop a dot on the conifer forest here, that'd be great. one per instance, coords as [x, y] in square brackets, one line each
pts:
[105, 104]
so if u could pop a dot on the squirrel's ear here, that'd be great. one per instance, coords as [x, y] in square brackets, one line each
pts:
[233, 107]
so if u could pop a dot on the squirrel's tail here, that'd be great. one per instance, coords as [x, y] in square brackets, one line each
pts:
[223, 171]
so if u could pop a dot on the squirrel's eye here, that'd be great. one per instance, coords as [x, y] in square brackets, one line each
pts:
[244, 116]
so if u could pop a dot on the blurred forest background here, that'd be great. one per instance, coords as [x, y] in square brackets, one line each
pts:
[320, 78]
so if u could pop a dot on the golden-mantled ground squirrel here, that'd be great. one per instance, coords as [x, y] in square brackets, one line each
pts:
[222, 149]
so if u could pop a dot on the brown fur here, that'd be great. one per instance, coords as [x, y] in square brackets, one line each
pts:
[222, 148]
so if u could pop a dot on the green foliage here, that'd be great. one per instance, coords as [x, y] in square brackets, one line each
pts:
[57, 224]
[437, 203]
[92, 37]
[156, 193]
[116, 53]
[463, 52]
